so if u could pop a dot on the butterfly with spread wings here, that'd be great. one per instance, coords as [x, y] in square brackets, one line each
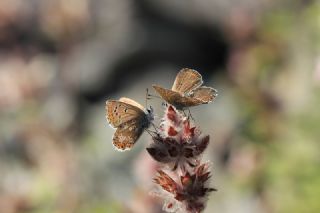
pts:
[187, 90]
[130, 118]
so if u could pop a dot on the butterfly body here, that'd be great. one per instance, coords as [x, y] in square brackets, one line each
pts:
[187, 90]
[130, 119]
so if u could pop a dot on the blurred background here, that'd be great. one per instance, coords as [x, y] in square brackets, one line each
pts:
[60, 60]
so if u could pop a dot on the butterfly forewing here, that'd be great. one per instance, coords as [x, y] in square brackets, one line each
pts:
[166, 94]
[204, 94]
[186, 81]
[120, 112]
[127, 134]
[175, 98]
[131, 102]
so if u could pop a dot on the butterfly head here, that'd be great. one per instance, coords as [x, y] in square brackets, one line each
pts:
[150, 114]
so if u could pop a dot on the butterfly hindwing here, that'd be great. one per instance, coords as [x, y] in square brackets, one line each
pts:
[127, 134]
[204, 94]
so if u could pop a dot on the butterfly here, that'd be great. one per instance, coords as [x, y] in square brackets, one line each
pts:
[130, 119]
[187, 90]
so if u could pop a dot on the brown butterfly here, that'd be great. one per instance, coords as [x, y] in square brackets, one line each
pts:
[187, 90]
[130, 119]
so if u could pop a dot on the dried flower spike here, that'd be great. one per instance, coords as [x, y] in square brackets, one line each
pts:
[179, 146]
[189, 194]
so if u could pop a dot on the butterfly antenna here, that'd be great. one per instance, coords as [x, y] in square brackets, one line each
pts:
[147, 94]
[154, 96]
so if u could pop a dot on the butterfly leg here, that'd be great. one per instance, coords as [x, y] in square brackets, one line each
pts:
[190, 115]
[155, 128]
[184, 113]
[152, 133]
[149, 132]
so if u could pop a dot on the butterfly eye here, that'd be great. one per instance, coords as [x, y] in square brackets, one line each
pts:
[150, 110]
